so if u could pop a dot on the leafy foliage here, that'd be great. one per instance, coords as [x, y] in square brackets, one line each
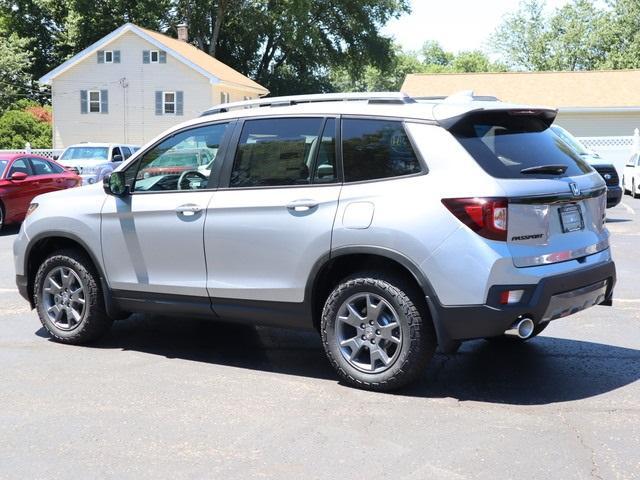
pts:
[25, 122]
[15, 61]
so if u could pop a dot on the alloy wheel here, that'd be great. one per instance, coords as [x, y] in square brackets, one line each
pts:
[64, 298]
[368, 332]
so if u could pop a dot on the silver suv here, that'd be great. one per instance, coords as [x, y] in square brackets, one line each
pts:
[389, 225]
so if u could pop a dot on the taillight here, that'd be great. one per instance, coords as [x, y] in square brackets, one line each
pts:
[485, 216]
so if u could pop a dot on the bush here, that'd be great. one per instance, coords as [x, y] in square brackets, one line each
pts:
[24, 123]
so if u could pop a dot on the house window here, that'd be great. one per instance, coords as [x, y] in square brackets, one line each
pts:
[108, 56]
[154, 55]
[224, 97]
[94, 101]
[246, 98]
[169, 102]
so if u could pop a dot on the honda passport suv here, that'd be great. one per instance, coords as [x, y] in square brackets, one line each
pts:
[389, 225]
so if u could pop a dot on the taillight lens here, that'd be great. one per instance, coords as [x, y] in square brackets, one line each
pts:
[485, 216]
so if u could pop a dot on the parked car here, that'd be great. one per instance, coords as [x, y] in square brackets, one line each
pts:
[24, 176]
[390, 226]
[92, 161]
[631, 176]
[606, 170]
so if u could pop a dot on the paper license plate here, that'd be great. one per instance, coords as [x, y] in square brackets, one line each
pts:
[571, 218]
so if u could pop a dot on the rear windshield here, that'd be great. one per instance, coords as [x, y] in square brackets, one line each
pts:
[505, 143]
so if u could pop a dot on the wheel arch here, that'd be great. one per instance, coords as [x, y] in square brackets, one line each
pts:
[344, 261]
[46, 243]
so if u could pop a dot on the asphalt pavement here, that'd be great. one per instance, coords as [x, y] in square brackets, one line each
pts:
[176, 398]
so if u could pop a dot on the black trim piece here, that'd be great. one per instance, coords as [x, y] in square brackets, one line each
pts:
[558, 197]
[478, 321]
[22, 282]
[614, 196]
[260, 312]
[163, 303]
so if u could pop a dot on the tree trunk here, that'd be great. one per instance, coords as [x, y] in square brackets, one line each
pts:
[222, 4]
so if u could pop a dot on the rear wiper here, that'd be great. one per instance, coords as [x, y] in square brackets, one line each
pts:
[545, 170]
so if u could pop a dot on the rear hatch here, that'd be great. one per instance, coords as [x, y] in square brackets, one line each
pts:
[556, 201]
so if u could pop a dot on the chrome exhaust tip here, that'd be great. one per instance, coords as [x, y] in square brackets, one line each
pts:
[523, 328]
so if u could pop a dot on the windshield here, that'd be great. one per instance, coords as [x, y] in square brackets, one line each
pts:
[505, 145]
[85, 153]
[3, 165]
[569, 139]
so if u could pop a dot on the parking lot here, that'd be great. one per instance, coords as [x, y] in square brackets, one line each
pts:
[168, 397]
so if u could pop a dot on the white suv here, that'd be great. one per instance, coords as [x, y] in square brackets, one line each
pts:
[92, 161]
[631, 176]
[388, 225]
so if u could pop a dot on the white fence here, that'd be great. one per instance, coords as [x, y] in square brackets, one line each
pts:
[616, 150]
[44, 152]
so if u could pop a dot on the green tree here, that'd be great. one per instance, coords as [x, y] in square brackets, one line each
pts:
[620, 35]
[15, 62]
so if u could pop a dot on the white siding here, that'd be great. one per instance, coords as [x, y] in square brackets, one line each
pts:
[600, 124]
[131, 118]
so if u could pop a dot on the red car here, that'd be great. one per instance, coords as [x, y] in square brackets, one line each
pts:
[22, 177]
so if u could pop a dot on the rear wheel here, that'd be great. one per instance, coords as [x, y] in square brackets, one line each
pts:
[68, 299]
[1, 215]
[374, 333]
[537, 330]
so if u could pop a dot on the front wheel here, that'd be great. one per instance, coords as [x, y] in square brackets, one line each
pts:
[374, 333]
[68, 299]
[634, 192]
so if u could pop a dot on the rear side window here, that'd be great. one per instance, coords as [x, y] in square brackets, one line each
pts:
[376, 149]
[506, 143]
[279, 151]
[42, 167]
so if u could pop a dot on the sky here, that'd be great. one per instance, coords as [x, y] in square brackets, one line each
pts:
[455, 24]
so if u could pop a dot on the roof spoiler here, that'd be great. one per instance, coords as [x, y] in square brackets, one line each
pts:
[547, 115]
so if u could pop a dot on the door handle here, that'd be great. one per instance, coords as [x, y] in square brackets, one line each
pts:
[302, 205]
[188, 209]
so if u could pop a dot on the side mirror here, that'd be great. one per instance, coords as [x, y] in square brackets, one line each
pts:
[114, 184]
[56, 157]
[19, 176]
[117, 158]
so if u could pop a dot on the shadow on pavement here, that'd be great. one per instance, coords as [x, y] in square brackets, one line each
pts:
[12, 229]
[542, 371]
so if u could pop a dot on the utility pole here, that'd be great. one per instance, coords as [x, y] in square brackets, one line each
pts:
[124, 83]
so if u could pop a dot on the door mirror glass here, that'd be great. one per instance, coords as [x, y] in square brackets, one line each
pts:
[56, 157]
[18, 176]
[114, 184]
[117, 158]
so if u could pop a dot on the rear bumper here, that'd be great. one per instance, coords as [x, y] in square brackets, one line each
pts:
[614, 196]
[493, 319]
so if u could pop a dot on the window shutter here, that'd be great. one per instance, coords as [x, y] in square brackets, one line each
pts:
[83, 101]
[163, 56]
[100, 56]
[158, 103]
[145, 56]
[104, 101]
[116, 56]
[179, 103]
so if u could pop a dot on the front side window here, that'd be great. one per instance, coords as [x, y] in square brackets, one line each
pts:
[169, 102]
[376, 149]
[85, 153]
[154, 56]
[20, 165]
[183, 161]
[108, 56]
[94, 101]
[276, 151]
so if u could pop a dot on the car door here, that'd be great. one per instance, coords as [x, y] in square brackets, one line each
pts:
[45, 175]
[19, 193]
[272, 221]
[153, 237]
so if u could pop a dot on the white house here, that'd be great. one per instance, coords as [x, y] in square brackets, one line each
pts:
[135, 83]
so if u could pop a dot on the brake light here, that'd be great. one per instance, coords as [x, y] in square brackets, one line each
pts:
[485, 216]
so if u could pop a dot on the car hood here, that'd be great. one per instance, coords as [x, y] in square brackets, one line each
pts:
[80, 163]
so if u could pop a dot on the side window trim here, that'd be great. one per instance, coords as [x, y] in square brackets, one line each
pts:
[217, 167]
[27, 162]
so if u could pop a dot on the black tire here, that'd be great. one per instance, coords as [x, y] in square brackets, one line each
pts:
[94, 322]
[537, 330]
[634, 192]
[1, 215]
[418, 338]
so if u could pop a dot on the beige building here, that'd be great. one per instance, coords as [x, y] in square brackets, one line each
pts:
[135, 83]
[591, 104]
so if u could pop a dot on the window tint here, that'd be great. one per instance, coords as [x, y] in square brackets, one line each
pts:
[20, 165]
[56, 168]
[276, 151]
[181, 162]
[126, 152]
[326, 170]
[374, 149]
[115, 151]
[41, 167]
[504, 144]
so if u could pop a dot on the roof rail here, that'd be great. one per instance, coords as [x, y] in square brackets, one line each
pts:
[370, 97]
